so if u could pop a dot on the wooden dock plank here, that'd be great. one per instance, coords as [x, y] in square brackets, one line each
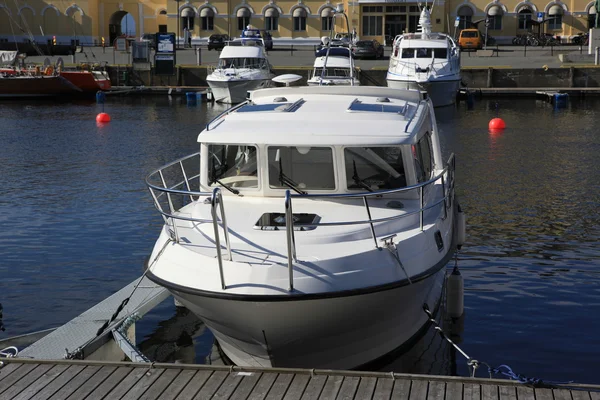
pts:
[7, 369]
[507, 392]
[212, 385]
[349, 387]
[249, 381]
[15, 376]
[126, 383]
[176, 386]
[140, 387]
[110, 383]
[471, 391]
[436, 391]
[561, 394]
[280, 387]
[314, 387]
[543, 394]
[194, 386]
[366, 388]
[525, 393]
[263, 386]
[228, 386]
[418, 390]
[383, 389]
[454, 391]
[401, 389]
[581, 395]
[297, 387]
[92, 383]
[332, 387]
[57, 383]
[72, 385]
[489, 392]
[160, 385]
[27, 380]
[42, 382]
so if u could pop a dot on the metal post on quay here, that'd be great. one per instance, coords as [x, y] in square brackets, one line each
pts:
[178, 32]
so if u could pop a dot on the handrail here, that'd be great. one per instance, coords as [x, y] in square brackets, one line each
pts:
[225, 113]
[217, 198]
[290, 238]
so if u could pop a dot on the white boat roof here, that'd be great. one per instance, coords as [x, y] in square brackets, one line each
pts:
[424, 43]
[333, 62]
[242, 52]
[322, 115]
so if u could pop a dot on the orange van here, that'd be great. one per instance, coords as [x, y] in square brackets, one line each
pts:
[470, 39]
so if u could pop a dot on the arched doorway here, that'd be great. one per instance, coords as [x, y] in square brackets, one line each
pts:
[120, 23]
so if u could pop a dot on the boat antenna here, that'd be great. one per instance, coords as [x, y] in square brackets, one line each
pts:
[338, 10]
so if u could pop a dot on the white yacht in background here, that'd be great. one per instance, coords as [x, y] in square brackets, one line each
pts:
[243, 66]
[312, 226]
[334, 66]
[426, 61]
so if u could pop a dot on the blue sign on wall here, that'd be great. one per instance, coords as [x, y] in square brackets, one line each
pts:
[540, 16]
[165, 42]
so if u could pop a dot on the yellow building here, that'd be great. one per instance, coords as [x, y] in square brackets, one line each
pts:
[303, 21]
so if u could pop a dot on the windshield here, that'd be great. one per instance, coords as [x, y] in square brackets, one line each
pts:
[374, 167]
[308, 168]
[232, 165]
[469, 34]
[241, 62]
[338, 72]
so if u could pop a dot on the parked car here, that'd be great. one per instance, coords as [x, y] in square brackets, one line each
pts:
[217, 41]
[150, 38]
[368, 49]
[470, 39]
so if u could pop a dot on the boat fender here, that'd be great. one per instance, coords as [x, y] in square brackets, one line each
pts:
[37, 71]
[49, 70]
[455, 294]
[461, 227]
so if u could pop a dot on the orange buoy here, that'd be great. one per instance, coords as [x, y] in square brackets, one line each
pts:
[497, 124]
[103, 117]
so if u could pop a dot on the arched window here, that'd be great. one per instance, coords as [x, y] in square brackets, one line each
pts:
[271, 19]
[465, 15]
[299, 16]
[207, 19]
[327, 19]
[187, 18]
[243, 16]
[592, 17]
[525, 15]
[555, 13]
[494, 16]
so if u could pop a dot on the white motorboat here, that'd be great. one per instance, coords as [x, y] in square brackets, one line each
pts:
[334, 66]
[243, 66]
[312, 226]
[427, 61]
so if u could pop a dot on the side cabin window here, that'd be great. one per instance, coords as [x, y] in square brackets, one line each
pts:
[440, 53]
[340, 72]
[375, 167]
[423, 158]
[241, 62]
[232, 165]
[424, 53]
[408, 53]
[305, 168]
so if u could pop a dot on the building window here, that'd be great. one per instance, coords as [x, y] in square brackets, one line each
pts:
[299, 15]
[555, 22]
[243, 22]
[464, 22]
[591, 21]
[372, 25]
[372, 9]
[208, 23]
[524, 16]
[271, 23]
[495, 22]
[395, 9]
[326, 23]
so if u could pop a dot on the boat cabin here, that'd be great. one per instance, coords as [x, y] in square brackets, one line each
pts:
[251, 57]
[328, 146]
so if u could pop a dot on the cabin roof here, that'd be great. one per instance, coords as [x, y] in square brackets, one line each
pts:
[242, 52]
[333, 62]
[424, 43]
[319, 115]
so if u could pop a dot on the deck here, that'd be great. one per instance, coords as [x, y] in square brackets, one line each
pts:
[23, 379]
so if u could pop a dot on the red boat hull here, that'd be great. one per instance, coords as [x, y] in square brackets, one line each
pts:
[36, 86]
[88, 81]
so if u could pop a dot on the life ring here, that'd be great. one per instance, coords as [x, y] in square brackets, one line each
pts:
[49, 70]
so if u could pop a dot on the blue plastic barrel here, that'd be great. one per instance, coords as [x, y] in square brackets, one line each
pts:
[100, 97]
[561, 100]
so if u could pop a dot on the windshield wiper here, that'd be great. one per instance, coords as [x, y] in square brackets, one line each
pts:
[357, 180]
[284, 180]
[232, 190]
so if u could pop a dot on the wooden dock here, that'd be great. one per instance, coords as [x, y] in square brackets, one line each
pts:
[26, 379]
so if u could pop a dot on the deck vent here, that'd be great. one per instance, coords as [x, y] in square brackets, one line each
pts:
[279, 100]
[277, 106]
[359, 106]
[383, 100]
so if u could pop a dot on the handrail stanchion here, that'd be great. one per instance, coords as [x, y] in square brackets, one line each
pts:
[291, 241]
[216, 194]
[444, 194]
[422, 205]
[157, 204]
[225, 230]
[162, 178]
[370, 221]
[185, 178]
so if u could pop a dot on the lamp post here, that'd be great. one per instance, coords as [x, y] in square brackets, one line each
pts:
[178, 18]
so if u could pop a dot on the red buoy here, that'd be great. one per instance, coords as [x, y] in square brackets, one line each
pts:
[497, 124]
[103, 117]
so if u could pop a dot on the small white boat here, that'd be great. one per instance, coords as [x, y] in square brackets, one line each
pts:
[334, 66]
[312, 226]
[243, 66]
[426, 61]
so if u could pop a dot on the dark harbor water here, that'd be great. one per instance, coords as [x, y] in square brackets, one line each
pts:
[76, 224]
